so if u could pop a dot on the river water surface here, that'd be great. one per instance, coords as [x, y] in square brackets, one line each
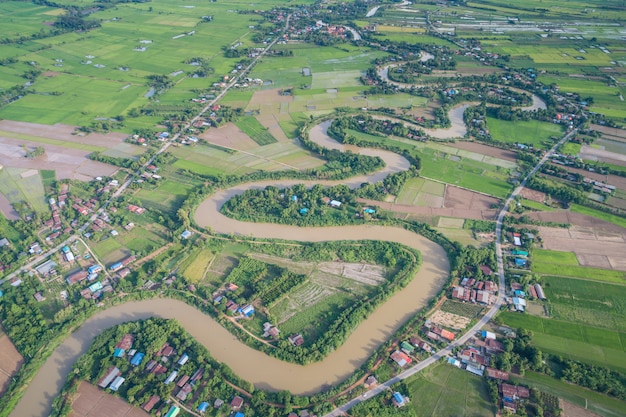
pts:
[262, 370]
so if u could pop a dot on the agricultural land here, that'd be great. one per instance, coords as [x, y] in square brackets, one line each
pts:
[393, 208]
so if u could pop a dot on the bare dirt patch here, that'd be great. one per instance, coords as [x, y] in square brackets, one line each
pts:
[50, 74]
[229, 136]
[533, 195]
[593, 154]
[363, 273]
[10, 362]
[453, 321]
[269, 97]
[7, 209]
[485, 150]
[572, 410]
[68, 163]
[90, 401]
[460, 198]
[62, 132]
[585, 243]
[610, 131]
[269, 121]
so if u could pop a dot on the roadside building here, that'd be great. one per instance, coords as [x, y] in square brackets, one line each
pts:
[401, 358]
[149, 405]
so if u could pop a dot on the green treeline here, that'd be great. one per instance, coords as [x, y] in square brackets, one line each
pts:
[522, 353]
[216, 381]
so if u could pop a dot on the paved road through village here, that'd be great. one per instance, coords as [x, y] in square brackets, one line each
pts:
[342, 410]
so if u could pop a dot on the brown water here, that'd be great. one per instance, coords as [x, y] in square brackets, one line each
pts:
[262, 370]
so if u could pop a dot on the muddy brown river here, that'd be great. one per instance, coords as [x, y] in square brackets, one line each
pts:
[262, 370]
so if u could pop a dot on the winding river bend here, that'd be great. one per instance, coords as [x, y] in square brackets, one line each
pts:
[262, 370]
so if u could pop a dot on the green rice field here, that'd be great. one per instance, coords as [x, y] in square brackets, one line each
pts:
[255, 130]
[531, 132]
[580, 342]
[444, 390]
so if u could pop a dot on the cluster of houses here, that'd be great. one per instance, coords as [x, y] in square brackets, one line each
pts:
[475, 357]
[517, 299]
[246, 310]
[473, 291]
[303, 413]
[55, 206]
[107, 187]
[184, 384]
[406, 354]
[121, 268]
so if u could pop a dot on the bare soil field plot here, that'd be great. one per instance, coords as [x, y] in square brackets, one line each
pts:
[619, 182]
[485, 150]
[63, 133]
[268, 100]
[10, 361]
[576, 219]
[613, 132]
[271, 123]
[586, 242]
[572, 410]
[594, 154]
[229, 136]
[533, 195]
[90, 401]
[67, 163]
[363, 273]
[453, 321]
[7, 209]
[459, 198]
[450, 223]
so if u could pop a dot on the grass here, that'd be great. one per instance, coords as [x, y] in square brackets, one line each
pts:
[598, 214]
[530, 132]
[535, 205]
[416, 190]
[462, 309]
[587, 302]
[312, 321]
[444, 390]
[555, 257]
[598, 403]
[436, 164]
[18, 188]
[583, 343]
[196, 269]
[571, 148]
[255, 130]
[584, 272]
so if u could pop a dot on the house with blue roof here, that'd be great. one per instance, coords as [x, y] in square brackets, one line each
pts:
[203, 407]
[398, 399]
[519, 293]
[304, 210]
[239, 414]
[136, 361]
[119, 353]
[521, 262]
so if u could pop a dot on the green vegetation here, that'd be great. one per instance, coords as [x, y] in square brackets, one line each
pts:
[216, 380]
[592, 303]
[554, 257]
[584, 272]
[194, 272]
[611, 218]
[595, 402]
[440, 390]
[575, 341]
[462, 309]
[530, 132]
[255, 130]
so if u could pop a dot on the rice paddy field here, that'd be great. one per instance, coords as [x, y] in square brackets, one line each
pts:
[21, 185]
[420, 192]
[444, 390]
[589, 344]
[138, 38]
[531, 132]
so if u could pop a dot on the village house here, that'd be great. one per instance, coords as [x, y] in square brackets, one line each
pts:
[149, 405]
[401, 358]
[296, 339]
[236, 403]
